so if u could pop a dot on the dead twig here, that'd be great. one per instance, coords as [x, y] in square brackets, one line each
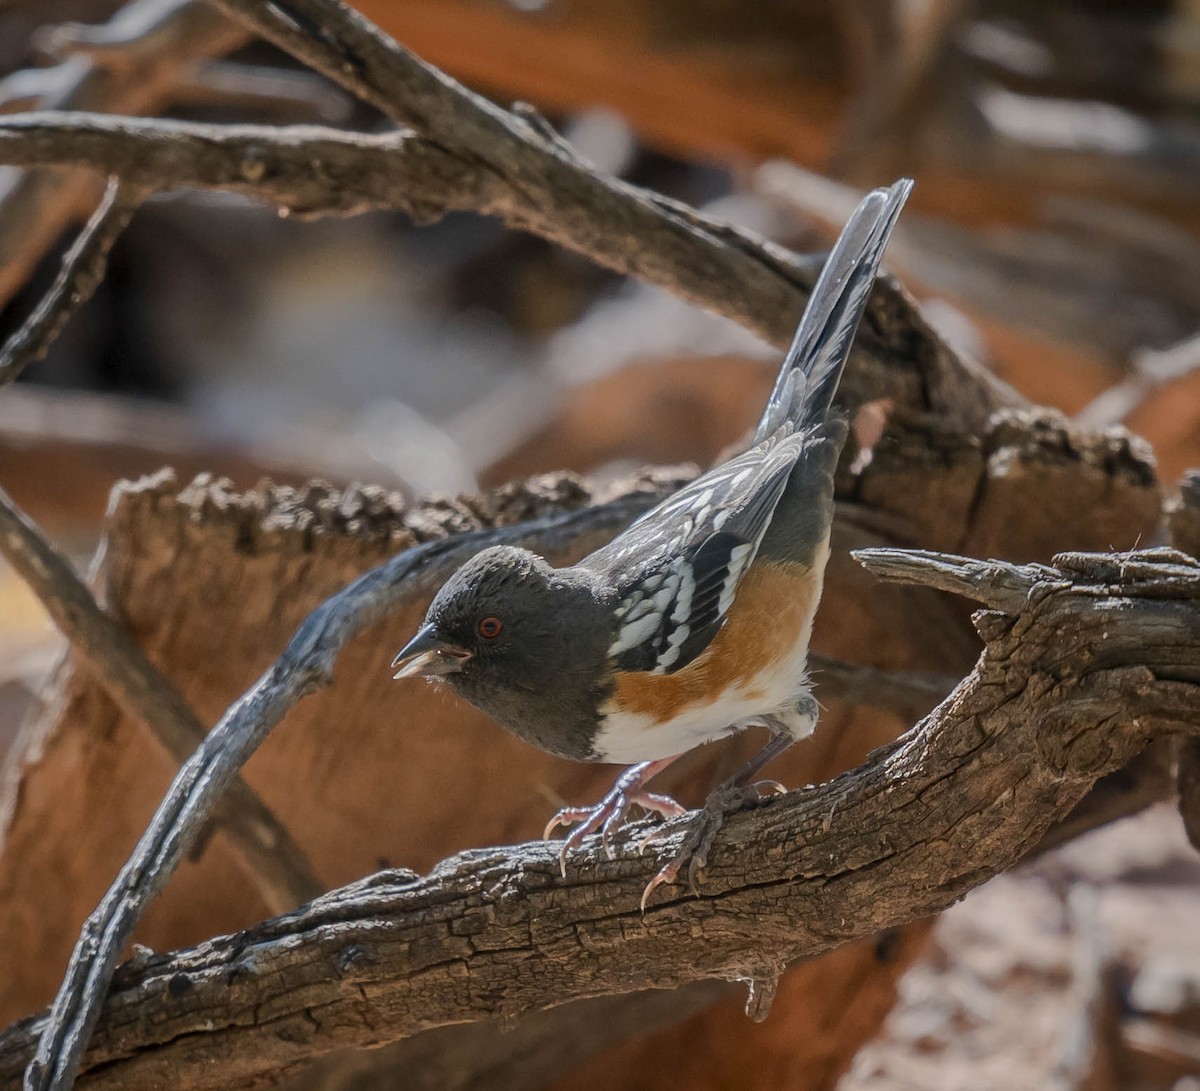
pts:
[966, 795]
[554, 194]
[82, 270]
[305, 666]
[127, 65]
[304, 170]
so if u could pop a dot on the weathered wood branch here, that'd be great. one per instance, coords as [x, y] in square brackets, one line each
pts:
[82, 270]
[305, 666]
[128, 65]
[265, 848]
[1097, 657]
[476, 155]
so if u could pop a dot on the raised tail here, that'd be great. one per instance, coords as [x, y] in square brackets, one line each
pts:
[813, 367]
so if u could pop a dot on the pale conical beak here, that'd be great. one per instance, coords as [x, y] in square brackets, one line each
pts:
[427, 654]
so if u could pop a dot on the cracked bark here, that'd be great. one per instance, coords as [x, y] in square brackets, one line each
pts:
[542, 187]
[1085, 662]
[280, 553]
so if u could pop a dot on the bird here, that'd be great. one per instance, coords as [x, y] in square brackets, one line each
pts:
[694, 622]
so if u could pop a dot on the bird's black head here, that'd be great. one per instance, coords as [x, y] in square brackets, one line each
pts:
[523, 641]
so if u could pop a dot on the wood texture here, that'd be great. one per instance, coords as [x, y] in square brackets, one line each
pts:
[212, 584]
[495, 933]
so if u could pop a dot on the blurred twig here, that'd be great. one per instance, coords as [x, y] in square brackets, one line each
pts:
[1060, 280]
[280, 94]
[1085, 1062]
[313, 171]
[82, 270]
[544, 189]
[1152, 370]
[964, 796]
[126, 65]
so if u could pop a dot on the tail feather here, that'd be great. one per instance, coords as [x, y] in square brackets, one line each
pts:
[813, 367]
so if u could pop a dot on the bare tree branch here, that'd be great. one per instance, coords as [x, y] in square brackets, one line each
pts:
[555, 194]
[536, 184]
[1095, 658]
[305, 170]
[996, 584]
[271, 858]
[320, 171]
[126, 65]
[82, 270]
[305, 666]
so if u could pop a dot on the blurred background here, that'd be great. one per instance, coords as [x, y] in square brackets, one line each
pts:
[1052, 235]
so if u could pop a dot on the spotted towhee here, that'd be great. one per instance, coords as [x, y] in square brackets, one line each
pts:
[692, 624]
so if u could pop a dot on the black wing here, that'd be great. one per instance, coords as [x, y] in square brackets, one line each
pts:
[677, 569]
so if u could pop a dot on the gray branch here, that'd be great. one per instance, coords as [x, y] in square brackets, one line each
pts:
[530, 182]
[83, 267]
[305, 666]
[1098, 658]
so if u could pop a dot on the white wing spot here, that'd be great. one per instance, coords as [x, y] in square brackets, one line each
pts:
[663, 599]
[683, 601]
[640, 610]
[634, 633]
[738, 559]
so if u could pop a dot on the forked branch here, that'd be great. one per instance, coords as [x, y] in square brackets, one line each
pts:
[1089, 660]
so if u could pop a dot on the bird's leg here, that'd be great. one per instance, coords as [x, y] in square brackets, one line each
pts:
[612, 810]
[739, 791]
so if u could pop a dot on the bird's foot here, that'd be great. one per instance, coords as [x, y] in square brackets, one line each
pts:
[608, 815]
[726, 800]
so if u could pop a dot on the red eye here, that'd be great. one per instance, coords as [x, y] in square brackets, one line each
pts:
[490, 627]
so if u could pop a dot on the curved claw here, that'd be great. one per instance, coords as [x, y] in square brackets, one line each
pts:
[702, 833]
[665, 876]
[661, 805]
[768, 788]
[610, 813]
[568, 816]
